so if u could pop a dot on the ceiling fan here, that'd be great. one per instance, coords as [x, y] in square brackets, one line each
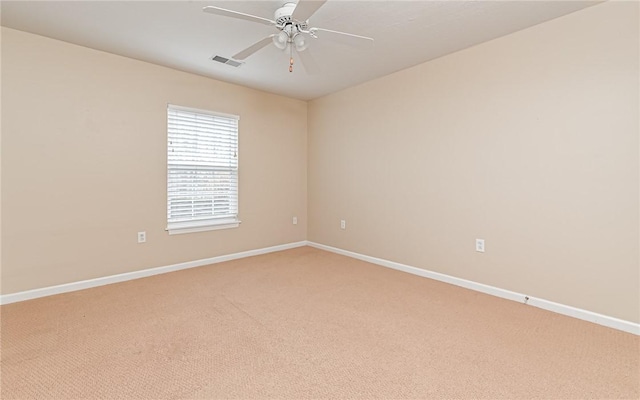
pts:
[292, 22]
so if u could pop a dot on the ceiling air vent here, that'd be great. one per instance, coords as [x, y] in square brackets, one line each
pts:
[227, 61]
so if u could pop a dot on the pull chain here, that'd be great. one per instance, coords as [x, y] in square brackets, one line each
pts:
[290, 58]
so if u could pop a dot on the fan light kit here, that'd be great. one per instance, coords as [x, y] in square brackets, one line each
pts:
[292, 22]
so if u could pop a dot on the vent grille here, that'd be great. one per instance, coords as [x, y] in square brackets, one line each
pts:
[227, 61]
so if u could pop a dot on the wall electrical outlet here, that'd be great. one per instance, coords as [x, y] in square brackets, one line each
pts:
[343, 224]
[142, 237]
[480, 245]
[295, 220]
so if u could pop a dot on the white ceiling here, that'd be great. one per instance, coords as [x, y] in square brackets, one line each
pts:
[178, 34]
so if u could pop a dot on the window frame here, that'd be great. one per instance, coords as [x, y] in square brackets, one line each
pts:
[211, 223]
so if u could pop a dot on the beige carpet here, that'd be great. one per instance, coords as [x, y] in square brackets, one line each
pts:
[304, 323]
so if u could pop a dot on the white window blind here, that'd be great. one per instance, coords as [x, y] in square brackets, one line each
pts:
[202, 178]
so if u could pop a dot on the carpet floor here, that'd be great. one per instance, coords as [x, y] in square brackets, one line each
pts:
[304, 323]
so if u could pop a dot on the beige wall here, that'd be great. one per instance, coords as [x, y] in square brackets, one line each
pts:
[529, 141]
[84, 164]
[0, 161]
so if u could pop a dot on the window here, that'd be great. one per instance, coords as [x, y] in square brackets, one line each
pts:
[202, 177]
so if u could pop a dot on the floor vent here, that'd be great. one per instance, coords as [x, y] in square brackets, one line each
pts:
[227, 61]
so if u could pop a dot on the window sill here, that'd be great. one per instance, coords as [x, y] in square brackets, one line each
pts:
[202, 226]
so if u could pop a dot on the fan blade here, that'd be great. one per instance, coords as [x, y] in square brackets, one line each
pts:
[253, 48]
[235, 14]
[305, 8]
[308, 62]
[343, 37]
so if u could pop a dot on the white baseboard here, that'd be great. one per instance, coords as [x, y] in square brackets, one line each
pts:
[585, 315]
[73, 286]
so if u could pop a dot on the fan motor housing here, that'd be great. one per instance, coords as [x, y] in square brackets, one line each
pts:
[282, 16]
